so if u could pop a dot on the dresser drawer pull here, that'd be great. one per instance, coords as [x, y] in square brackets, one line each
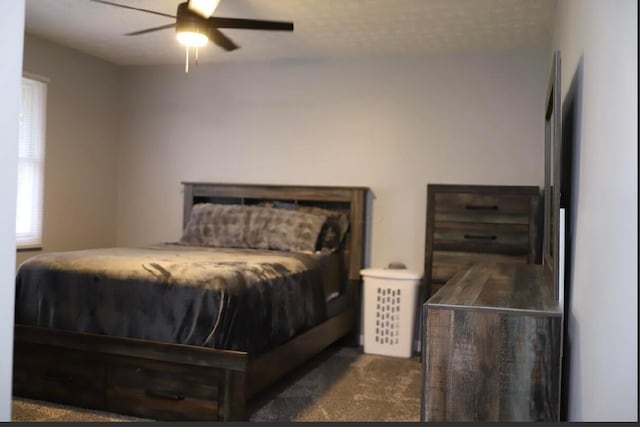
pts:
[481, 207]
[480, 236]
[162, 394]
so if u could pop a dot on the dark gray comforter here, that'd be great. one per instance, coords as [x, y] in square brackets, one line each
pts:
[235, 299]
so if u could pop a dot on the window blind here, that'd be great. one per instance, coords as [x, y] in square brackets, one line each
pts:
[31, 163]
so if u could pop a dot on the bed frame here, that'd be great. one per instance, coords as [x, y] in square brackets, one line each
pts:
[182, 382]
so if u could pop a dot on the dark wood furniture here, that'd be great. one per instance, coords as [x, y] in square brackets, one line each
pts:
[467, 224]
[493, 334]
[493, 347]
[171, 381]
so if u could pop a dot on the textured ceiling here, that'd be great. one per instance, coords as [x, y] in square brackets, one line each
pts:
[323, 28]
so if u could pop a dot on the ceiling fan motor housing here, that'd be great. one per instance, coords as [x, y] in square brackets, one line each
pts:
[188, 21]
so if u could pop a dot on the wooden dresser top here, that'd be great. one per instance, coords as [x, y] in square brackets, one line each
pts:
[506, 287]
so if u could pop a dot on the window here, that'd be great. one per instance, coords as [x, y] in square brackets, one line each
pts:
[31, 163]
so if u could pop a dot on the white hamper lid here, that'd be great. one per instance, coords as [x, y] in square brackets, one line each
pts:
[390, 273]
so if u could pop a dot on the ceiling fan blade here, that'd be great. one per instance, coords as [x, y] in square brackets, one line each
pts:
[149, 30]
[133, 8]
[250, 24]
[221, 40]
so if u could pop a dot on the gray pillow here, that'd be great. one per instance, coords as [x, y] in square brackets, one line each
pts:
[333, 230]
[255, 227]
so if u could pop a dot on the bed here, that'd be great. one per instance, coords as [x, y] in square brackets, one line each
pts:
[211, 368]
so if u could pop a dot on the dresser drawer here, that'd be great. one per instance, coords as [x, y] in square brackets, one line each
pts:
[481, 237]
[483, 208]
[157, 390]
[58, 375]
[478, 202]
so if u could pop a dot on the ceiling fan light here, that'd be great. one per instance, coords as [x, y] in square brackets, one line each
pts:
[192, 39]
[203, 7]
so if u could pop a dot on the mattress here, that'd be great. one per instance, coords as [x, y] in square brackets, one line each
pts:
[234, 299]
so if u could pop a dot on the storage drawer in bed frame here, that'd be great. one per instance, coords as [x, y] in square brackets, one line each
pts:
[149, 389]
[168, 382]
[137, 387]
[60, 375]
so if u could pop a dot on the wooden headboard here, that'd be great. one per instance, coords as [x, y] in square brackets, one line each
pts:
[353, 199]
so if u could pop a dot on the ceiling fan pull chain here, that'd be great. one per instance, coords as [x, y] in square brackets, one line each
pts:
[186, 65]
[196, 56]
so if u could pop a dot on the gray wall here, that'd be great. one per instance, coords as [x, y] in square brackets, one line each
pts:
[11, 35]
[599, 48]
[83, 123]
[392, 124]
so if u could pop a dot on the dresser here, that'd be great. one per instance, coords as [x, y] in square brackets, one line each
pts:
[491, 351]
[468, 224]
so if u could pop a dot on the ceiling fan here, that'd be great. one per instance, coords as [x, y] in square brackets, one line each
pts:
[195, 25]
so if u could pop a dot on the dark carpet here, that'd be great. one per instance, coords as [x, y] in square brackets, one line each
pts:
[340, 384]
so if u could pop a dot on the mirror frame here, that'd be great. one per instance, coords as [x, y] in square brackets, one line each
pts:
[552, 161]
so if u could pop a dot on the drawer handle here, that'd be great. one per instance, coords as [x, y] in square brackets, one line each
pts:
[163, 394]
[480, 236]
[481, 207]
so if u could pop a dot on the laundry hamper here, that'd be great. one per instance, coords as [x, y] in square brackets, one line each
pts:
[389, 311]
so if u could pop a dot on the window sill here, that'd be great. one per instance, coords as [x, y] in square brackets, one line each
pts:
[20, 249]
